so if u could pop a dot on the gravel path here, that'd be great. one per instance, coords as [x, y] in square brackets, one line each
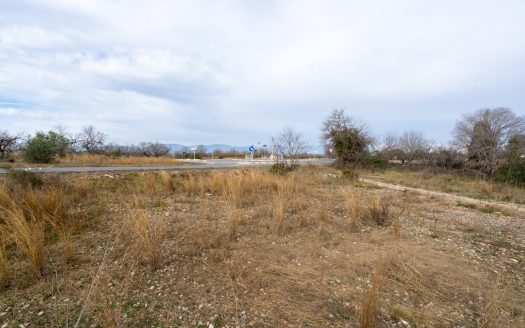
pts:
[517, 208]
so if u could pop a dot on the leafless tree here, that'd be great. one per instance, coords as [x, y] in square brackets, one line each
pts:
[8, 142]
[413, 146]
[485, 133]
[153, 149]
[90, 139]
[201, 150]
[347, 136]
[290, 144]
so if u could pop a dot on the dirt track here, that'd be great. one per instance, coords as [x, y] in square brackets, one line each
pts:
[517, 208]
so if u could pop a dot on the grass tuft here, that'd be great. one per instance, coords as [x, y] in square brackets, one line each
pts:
[29, 236]
[146, 236]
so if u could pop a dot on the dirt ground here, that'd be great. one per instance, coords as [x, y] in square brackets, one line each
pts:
[432, 263]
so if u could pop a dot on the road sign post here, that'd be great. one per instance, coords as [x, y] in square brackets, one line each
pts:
[251, 149]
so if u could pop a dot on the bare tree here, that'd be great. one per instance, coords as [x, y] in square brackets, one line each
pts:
[90, 139]
[348, 137]
[290, 144]
[153, 149]
[8, 142]
[485, 133]
[201, 150]
[413, 145]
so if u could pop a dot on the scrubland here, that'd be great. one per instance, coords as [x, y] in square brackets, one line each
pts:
[86, 159]
[241, 248]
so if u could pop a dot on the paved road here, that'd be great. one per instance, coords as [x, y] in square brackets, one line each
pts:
[195, 164]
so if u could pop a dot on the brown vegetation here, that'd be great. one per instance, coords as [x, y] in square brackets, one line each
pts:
[250, 248]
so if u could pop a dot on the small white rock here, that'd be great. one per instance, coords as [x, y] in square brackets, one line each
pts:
[41, 313]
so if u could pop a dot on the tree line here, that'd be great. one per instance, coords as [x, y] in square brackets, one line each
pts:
[46, 147]
[491, 141]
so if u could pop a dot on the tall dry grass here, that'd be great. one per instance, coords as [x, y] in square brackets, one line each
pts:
[29, 235]
[146, 236]
[370, 304]
[167, 181]
[85, 159]
[379, 211]
[489, 310]
[189, 185]
[354, 210]
[234, 219]
[4, 262]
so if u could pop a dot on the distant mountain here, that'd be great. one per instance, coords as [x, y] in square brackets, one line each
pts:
[315, 149]
[209, 148]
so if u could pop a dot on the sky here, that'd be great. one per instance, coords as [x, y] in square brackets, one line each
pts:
[238, 72]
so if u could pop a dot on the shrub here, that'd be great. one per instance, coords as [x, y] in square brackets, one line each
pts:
[512, 172]
[375, 163]
[43, 148]
[280, 168]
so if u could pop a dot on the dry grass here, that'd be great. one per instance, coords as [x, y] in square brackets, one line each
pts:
[146, 236]
[453, 183]
[29, 235]
[85, 159]
[4, 262]
[189, 185]
[167, 181]
[489, 310]
[233, 222]
[379, 211]
[368, 314]
[279, 212]
[294, 261]
[354, 210]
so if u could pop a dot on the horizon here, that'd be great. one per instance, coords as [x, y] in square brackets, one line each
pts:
[237, 72]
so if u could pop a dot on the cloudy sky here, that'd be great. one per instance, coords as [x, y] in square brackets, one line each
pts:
[238, 71]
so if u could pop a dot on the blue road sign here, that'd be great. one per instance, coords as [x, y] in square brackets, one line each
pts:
[251, 148]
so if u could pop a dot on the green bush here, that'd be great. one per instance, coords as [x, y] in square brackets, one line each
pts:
[512, 173]
[375, 162]
[280, 168]
[43, 148]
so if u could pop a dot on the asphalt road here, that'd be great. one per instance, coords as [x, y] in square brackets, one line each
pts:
[193, 165]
